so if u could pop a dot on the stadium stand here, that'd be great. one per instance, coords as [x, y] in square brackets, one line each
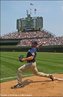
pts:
[23, 39]
[43, 41]
[19, 35]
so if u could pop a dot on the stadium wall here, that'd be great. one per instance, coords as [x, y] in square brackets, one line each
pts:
[11, 45]
[53, 48]
[41, 49]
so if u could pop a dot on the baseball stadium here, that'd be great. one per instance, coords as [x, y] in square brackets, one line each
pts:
[49, 60]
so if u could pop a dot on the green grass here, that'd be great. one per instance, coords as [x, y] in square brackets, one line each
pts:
[46, 62]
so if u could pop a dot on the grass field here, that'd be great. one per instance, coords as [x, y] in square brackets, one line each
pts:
[46, 62]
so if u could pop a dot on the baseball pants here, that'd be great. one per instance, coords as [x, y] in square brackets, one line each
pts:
[33, 68]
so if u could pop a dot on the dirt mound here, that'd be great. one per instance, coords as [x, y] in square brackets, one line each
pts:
[35, 86]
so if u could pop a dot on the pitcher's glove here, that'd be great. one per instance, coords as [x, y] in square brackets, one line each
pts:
[20, 58]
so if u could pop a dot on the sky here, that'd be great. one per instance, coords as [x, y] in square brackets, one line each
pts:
[51, 11]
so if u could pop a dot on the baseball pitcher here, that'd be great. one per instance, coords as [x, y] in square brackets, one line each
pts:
[30, 65]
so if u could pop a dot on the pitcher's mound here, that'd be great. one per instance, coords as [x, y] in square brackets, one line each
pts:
[35, 86]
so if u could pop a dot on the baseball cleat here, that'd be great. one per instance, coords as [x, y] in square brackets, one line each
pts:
[51, 77]
[17, 86]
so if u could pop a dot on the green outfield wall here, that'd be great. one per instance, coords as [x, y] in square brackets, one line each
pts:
[41, 49]
[11, 45]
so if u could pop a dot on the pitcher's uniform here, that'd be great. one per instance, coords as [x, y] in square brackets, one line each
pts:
[31, 65]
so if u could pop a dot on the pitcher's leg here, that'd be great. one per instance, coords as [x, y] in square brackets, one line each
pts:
[43, 74]
[36, 72]
[19, 73]
[21, 70]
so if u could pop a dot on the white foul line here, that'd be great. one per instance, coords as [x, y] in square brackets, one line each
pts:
[6, 78]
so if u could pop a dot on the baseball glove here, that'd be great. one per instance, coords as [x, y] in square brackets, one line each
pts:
[20, 58]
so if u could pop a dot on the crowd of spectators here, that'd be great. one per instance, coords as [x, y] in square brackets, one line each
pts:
[20, 35]
[43, 37]
[42, 41]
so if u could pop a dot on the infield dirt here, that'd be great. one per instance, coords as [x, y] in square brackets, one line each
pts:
[35, 86]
